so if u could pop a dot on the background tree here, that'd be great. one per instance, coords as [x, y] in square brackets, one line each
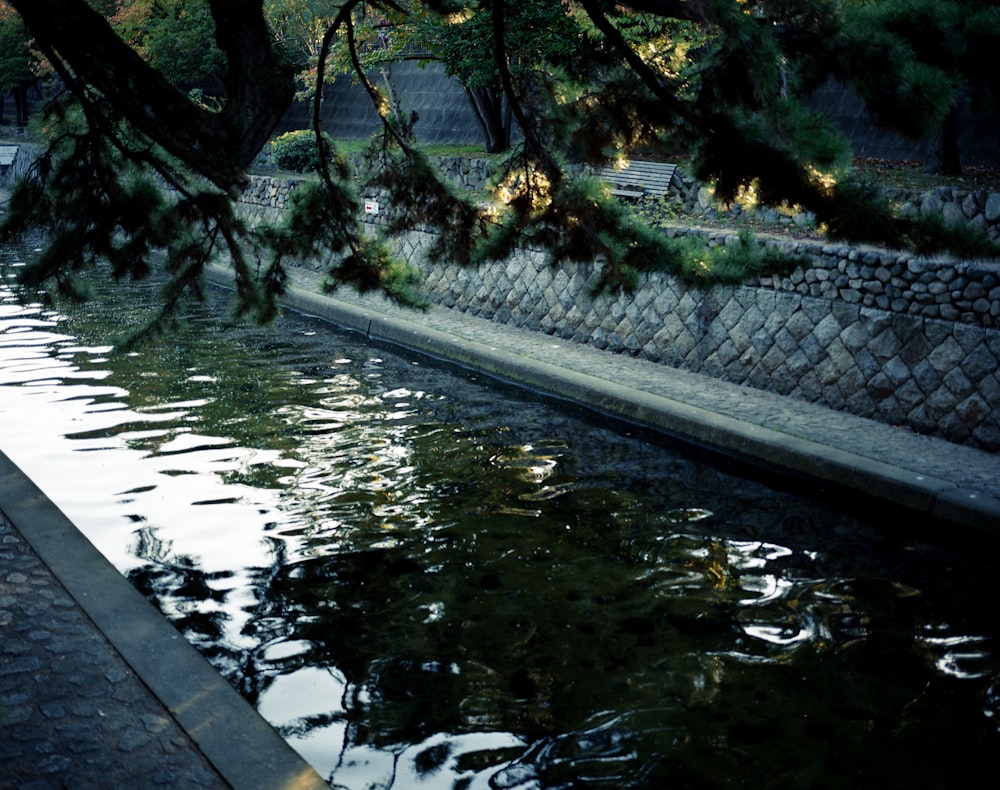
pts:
[721, 77]
[914, 62]
[298, 27]
[19, 65]
[176, 37]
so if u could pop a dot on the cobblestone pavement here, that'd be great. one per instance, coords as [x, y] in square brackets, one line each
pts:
[72, 713]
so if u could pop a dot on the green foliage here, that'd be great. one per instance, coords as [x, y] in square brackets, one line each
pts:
[733, 262]
[298, 27]
[585, 81]
[175, 36]
[912, 61]
[297, 151]
[417, 197]
[322, 224]
[18, 63]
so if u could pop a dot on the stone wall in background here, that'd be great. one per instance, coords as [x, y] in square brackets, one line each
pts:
[887, 335]
[934, 376]
[903, 339]
[446, 117]
[444, 114]
[977, 131]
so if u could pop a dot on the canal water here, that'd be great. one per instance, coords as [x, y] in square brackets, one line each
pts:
[424, 581]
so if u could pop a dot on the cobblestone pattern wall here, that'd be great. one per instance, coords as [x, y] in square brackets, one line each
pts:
[880, 334]
[884, 335]
[265, 199]
[899, 283]
[934, 376]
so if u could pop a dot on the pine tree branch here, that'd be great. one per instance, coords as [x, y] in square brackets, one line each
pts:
[219, 145]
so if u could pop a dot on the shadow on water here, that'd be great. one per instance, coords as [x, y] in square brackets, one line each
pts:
[424, 582]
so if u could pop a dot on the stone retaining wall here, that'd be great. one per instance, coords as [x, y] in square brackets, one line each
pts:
[887, 335]
[902, 339]
[931, 375]
[25, 157]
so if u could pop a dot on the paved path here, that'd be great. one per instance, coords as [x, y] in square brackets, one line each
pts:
[97, 689]
[72, 712]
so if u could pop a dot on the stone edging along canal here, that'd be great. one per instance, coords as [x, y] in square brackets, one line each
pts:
[958, 486]
[245, 750]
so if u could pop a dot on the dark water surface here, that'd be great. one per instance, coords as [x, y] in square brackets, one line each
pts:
[423, 581]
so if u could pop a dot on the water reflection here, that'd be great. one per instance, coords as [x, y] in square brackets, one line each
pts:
[424, 583]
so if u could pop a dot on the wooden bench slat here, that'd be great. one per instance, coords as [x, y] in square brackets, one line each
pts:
[651, 178]
[626, 193]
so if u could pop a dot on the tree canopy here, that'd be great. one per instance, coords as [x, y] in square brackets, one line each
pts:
[19, 65]
[914, 61]
[587, 81]
[176, 37]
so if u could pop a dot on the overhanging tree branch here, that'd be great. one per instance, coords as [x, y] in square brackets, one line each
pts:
[219, 145]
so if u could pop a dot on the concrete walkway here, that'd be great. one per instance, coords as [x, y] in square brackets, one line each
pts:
[98, 690]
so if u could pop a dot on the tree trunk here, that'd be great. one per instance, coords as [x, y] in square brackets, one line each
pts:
[494, 117]
[219, 145]
[944, 157]
[20, 94]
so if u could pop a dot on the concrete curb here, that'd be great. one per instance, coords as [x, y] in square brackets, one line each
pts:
[246, 751]
[779, 451]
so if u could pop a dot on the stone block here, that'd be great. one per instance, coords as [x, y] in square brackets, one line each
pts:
[880, 387]
[992, 209]
[866, 362]
[948, 312]
[987, 434]
[970, 206]
[826, 330]
[909, 396]
[785, 341]
[860, 403]
[856, 336]
[888, 410]
[684, 343]
[812, 348]
[979, 363]
[810, 387]
[958, 383]
[953, 428]
[827, 372]
[989, 389]
[772, 360]
[840, 356]
[969, 337]
[851, 382]
[972, 411]
[798, 325]
[897, 371]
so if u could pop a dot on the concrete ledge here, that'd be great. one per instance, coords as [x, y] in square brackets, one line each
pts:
[243, 748]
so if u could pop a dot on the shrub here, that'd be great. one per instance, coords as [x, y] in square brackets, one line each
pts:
[296, 151]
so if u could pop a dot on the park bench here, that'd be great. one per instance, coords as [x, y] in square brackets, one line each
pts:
[638, 179]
